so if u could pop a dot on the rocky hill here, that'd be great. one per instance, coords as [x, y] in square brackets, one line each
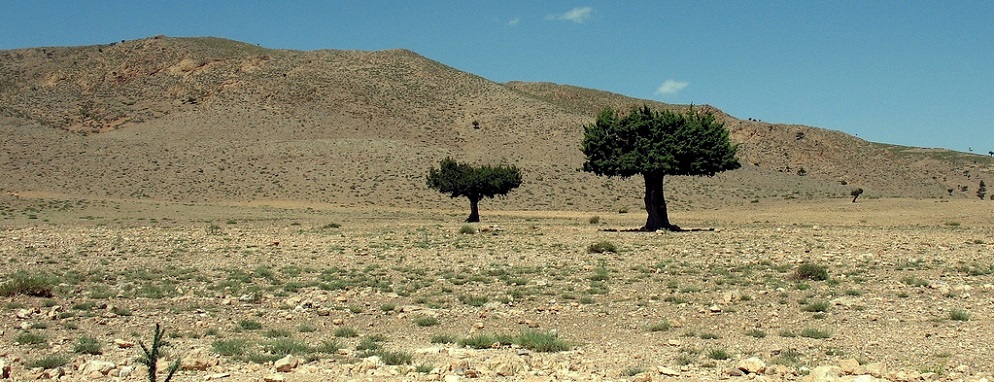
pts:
[214, 120]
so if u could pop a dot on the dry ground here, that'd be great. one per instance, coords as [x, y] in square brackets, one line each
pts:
[236, 286]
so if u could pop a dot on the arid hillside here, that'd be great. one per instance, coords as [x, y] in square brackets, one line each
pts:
[214, 120]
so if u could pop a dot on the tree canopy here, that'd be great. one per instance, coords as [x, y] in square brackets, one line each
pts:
[655, 144]
[465, 180]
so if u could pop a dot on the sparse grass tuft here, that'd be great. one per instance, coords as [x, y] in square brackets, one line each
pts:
[444, 339]
[86, 345]
[29, 338]
[756, 333]
[467, 229]
[539, 341]
[29, 284]
[602, 247]
[346, 332]
[230, 348]
[959, 315]
[719, 354]
[811, 271]
[815, 333]
[660, 326]
[49, 361]
[249, 325]
[821, 307]
[426, 321]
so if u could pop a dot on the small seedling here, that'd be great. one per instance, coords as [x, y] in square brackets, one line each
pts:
[151, 355]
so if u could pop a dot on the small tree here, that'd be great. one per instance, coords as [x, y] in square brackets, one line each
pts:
[654, 145]
[461, 179]
[981, 190]
[855, 194]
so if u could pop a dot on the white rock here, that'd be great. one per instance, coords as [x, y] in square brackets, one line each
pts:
[286, 364]
[667, 371]
[751, 365]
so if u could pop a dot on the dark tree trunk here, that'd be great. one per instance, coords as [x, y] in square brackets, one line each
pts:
[854, 197]
[474, 210]
[655, 205]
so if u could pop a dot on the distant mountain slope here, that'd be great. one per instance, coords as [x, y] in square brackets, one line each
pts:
[209, 119]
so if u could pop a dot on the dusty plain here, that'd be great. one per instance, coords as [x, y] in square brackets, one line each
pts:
[348, 291]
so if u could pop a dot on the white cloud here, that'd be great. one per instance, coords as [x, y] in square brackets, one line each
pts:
[514, 21]
[671, 87]
[577, 15]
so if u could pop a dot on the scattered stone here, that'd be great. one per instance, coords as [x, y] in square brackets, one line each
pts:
[214, 376]
[55, 373]
[125, 371]
[876, 369]
[452, 378]
[734, 372]
[23, 314]
[751, 365]
[288, 363]
[97, 368]
[338, 322]
[197, 360]
[667, 371]
[123, 344]
[823, 374]
[849, 366]
[273, 378]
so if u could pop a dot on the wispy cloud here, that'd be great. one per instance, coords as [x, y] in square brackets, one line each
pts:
[514, 21]
[577, 15]
[671, 87]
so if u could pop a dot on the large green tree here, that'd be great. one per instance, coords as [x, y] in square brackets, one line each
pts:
[656, 144]
[462, 179]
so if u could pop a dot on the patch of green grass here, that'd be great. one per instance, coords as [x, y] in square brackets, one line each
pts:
[539, 341]
[234, 347]
[602, 247]
[86, 345]
[811, 271]
[467, 229]
[708, 336]
[424, 368]
[914, 281]
[959, 315]
[346, 332]
[328, 347]
[394, 357]
[719, 354]
[49, 361]
[443, 339]
[285, 346]
[815, 333]
[756, 333]
[481, 341]
[29, 338]
[473, 300]
[249, 325]
[821, 306]
[371, 343]
[306, 328]
[29, 284]
[660, 326]
[426, 321]
[278, 333]
[789, 357]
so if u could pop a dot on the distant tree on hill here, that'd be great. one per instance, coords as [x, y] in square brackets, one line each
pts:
[655, 144]
[855, 194]
[981, 190]
[991, 153]
[475, 183]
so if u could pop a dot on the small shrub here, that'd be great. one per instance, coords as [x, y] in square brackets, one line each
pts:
[595, 219]
[249, 325]
[49, 361]
[602, 247]
[306, 328]
[424, 368]
[467, 229]
[660, 326]
[328, 347]
[821, 306]
[479, 341]
[29, 284]
[959, 315]
[369, 344]
[544, 342]
[395, 357]
[756, 333]
[815, 333]
[151, 354]
[29, 338]
[632, 371]
[285, 346]
[426, 321]
[719, 354]
[472, 300]
[387, 307]
[230, 348]
[346, 332]
[278, 333]
[86, 345]
[708, 336]
[444, 339]
[811, 271]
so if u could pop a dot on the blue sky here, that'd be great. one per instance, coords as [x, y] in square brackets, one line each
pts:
[910, 72]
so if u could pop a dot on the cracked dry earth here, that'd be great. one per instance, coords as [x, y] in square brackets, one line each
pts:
[289, 293]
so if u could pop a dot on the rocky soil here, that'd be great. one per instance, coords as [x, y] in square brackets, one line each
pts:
[312, 293]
